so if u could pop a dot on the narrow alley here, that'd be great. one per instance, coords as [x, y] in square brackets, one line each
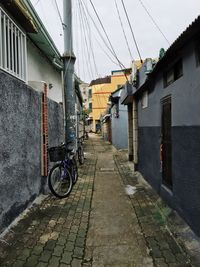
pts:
[111, 218]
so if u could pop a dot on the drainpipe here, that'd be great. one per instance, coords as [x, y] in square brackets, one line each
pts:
[69, 61]
[130, 132]
[135, 134]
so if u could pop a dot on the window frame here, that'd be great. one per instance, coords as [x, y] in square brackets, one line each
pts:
[176, 71]
[90, 106]
[13, 47]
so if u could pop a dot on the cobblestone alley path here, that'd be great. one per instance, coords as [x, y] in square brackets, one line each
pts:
[111, 218]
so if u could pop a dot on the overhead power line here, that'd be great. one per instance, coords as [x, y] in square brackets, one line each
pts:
[154, 22]
[134, 39]
[98, 42]
[102, 37]
[59, 14]
[85, 41]
[76, 37]
[121, 65]
[123, 30]
[88, 31]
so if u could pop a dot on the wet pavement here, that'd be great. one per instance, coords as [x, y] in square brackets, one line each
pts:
[111, 218]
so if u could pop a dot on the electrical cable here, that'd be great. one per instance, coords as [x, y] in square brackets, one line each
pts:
[84, 45]
[85, 38]
[59, 14]
[112, 48]
[104, 41]
[85, 9]
[134, 39]
[90, 39]
[77, 40]
[90, 71]
[98, 42]
[153, 20]
[106, 33]
[123, 31]
[80, 58]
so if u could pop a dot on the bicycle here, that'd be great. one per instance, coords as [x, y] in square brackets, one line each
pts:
[64, 174]
[80, 152]
[86, 136]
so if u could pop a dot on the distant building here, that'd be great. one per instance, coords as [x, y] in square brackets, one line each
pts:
[101, 90]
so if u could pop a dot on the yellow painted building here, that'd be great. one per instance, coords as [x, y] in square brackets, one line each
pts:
[101, 90]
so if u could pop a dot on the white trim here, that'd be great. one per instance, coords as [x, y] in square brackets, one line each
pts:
[1, 54]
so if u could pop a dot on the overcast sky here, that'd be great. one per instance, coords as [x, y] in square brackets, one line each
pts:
[172, 17]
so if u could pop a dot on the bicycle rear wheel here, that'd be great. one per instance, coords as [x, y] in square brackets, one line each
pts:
[80, 155]
[60, 181]
[74, 170]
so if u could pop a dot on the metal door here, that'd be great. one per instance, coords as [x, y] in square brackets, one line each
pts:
[166, 143]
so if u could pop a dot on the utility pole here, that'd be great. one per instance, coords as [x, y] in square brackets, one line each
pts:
[69, 88]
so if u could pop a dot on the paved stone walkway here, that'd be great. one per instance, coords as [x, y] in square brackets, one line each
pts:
[99, 224]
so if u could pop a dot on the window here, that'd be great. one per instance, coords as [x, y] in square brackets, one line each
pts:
[174, 73]
[90, 93]
[90, 107]
[178, 70]
[169, 77]
[12, 47]
[144, 101]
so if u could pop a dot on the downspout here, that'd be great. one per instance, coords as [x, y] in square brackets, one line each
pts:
[135, 134]
[130, 132]
[63, 99]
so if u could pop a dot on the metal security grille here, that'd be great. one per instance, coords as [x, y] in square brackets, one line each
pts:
[13, 57]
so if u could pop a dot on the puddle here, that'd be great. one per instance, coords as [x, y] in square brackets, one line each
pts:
[130, 190]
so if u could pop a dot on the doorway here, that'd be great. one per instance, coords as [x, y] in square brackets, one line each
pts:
[166, 142]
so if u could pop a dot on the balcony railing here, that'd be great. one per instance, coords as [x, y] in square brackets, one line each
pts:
[13, 54]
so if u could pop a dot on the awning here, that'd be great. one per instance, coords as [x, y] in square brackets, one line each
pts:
[89, 119]
[105, 118]
[127, 94]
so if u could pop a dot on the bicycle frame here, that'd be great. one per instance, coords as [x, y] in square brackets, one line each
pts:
[67, 163]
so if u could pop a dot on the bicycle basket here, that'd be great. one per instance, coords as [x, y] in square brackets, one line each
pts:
[57, 153]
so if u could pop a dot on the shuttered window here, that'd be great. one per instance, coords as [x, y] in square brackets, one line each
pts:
[173, 73]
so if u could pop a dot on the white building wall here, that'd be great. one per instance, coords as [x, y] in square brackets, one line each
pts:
[40, 69]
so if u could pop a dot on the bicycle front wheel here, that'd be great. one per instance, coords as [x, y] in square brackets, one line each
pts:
[60, 181]
[80, 155]
[74, 171]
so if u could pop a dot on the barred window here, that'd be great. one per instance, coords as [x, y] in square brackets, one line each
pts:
[13, 58]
